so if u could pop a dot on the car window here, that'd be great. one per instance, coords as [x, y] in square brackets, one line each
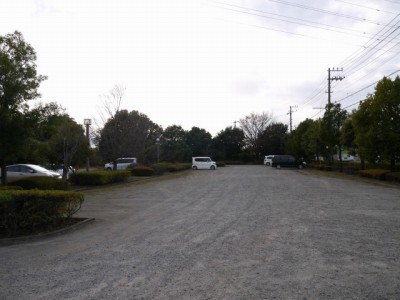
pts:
[26, 169]
[13, 169]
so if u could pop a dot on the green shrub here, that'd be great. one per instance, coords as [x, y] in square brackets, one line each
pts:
[142, 171]
[393, 176]
[374, 173]
[10, 187]
[99, 177]
[41, 183]
[221, 164]
[161, 168]
[234, 162]
[33, 210]
[176, 167]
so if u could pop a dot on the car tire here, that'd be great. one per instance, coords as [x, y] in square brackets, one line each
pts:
[194, 168]
[212, 167]
[300, 166]
[278, 166]
[267, 164]
[108, 169]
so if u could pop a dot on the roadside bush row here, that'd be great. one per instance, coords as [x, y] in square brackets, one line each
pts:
[41, 183]
[161, 168]
[99, 177]
[381, 174]
[348, 168]
[33, 211]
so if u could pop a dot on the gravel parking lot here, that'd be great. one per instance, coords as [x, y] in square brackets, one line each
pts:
[240, 232]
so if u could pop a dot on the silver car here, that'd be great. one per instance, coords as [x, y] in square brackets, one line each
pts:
[19, 171]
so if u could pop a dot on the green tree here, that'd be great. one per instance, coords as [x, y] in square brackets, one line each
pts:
[272, 139]
[377, 123]
[304, 140]
[173, 145]
[129, 134]
[199, 141]
[19, 83]
[347, 135]
[228, 143]
[331, 125]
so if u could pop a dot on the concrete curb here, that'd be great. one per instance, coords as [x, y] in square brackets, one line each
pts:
[22, 239]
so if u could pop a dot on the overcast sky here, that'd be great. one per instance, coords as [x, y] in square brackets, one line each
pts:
[208, 63]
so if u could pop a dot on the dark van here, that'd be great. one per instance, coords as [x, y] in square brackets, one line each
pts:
[279, 161]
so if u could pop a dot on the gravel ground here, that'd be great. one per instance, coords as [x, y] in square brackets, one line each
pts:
[240, 232]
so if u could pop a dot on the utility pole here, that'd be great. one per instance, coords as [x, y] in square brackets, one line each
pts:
[332, 79]
[290, 116]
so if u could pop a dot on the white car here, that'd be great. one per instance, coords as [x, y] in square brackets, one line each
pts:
[122, 163]
[345, 157]
[268, 159]
[203, 163]
[19, 171]
[60, 170]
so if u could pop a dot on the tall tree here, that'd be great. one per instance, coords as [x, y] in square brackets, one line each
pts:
[19, 83]
[173, 145]
[377, 123]
[228, 143]
[304, 141]
[128, 134]
[253, 125]
[272, 139]
[199, 141]
[331, 125]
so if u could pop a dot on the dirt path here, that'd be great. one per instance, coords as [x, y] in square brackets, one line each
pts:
[240, 232]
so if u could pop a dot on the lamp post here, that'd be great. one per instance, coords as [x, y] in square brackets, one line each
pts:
[87, 123]
[158, 149]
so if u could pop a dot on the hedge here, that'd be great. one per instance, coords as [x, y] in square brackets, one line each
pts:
[42, 183]
[142, 171]
[393, 176]
[374, 173]
[99, 177]
[160, 168]
[33, 210]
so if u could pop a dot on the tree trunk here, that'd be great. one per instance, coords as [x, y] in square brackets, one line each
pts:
[3, 171]
[393, 164]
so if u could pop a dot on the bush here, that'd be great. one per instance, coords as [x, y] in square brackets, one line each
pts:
[142, 171]
[221, 164]
[32, 211]
[42, 183]
[10, 187]
[176, 167]
[234, 162]
[393, 176]
[99, 177]
[374, 173]
[161, 168]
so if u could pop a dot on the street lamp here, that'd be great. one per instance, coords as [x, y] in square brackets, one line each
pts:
[87, 123]
[158, 149]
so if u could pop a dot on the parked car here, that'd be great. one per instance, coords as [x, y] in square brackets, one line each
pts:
[279, 161]
[345, 157]
[60, 170]
[268, 159]
[203, 163]
[122, 163]
[19, 171]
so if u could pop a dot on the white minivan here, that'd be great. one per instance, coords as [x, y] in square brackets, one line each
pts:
[268, 159]
[122, 163]
[203, 163]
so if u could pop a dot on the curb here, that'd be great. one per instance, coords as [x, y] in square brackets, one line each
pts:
[22, 239]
